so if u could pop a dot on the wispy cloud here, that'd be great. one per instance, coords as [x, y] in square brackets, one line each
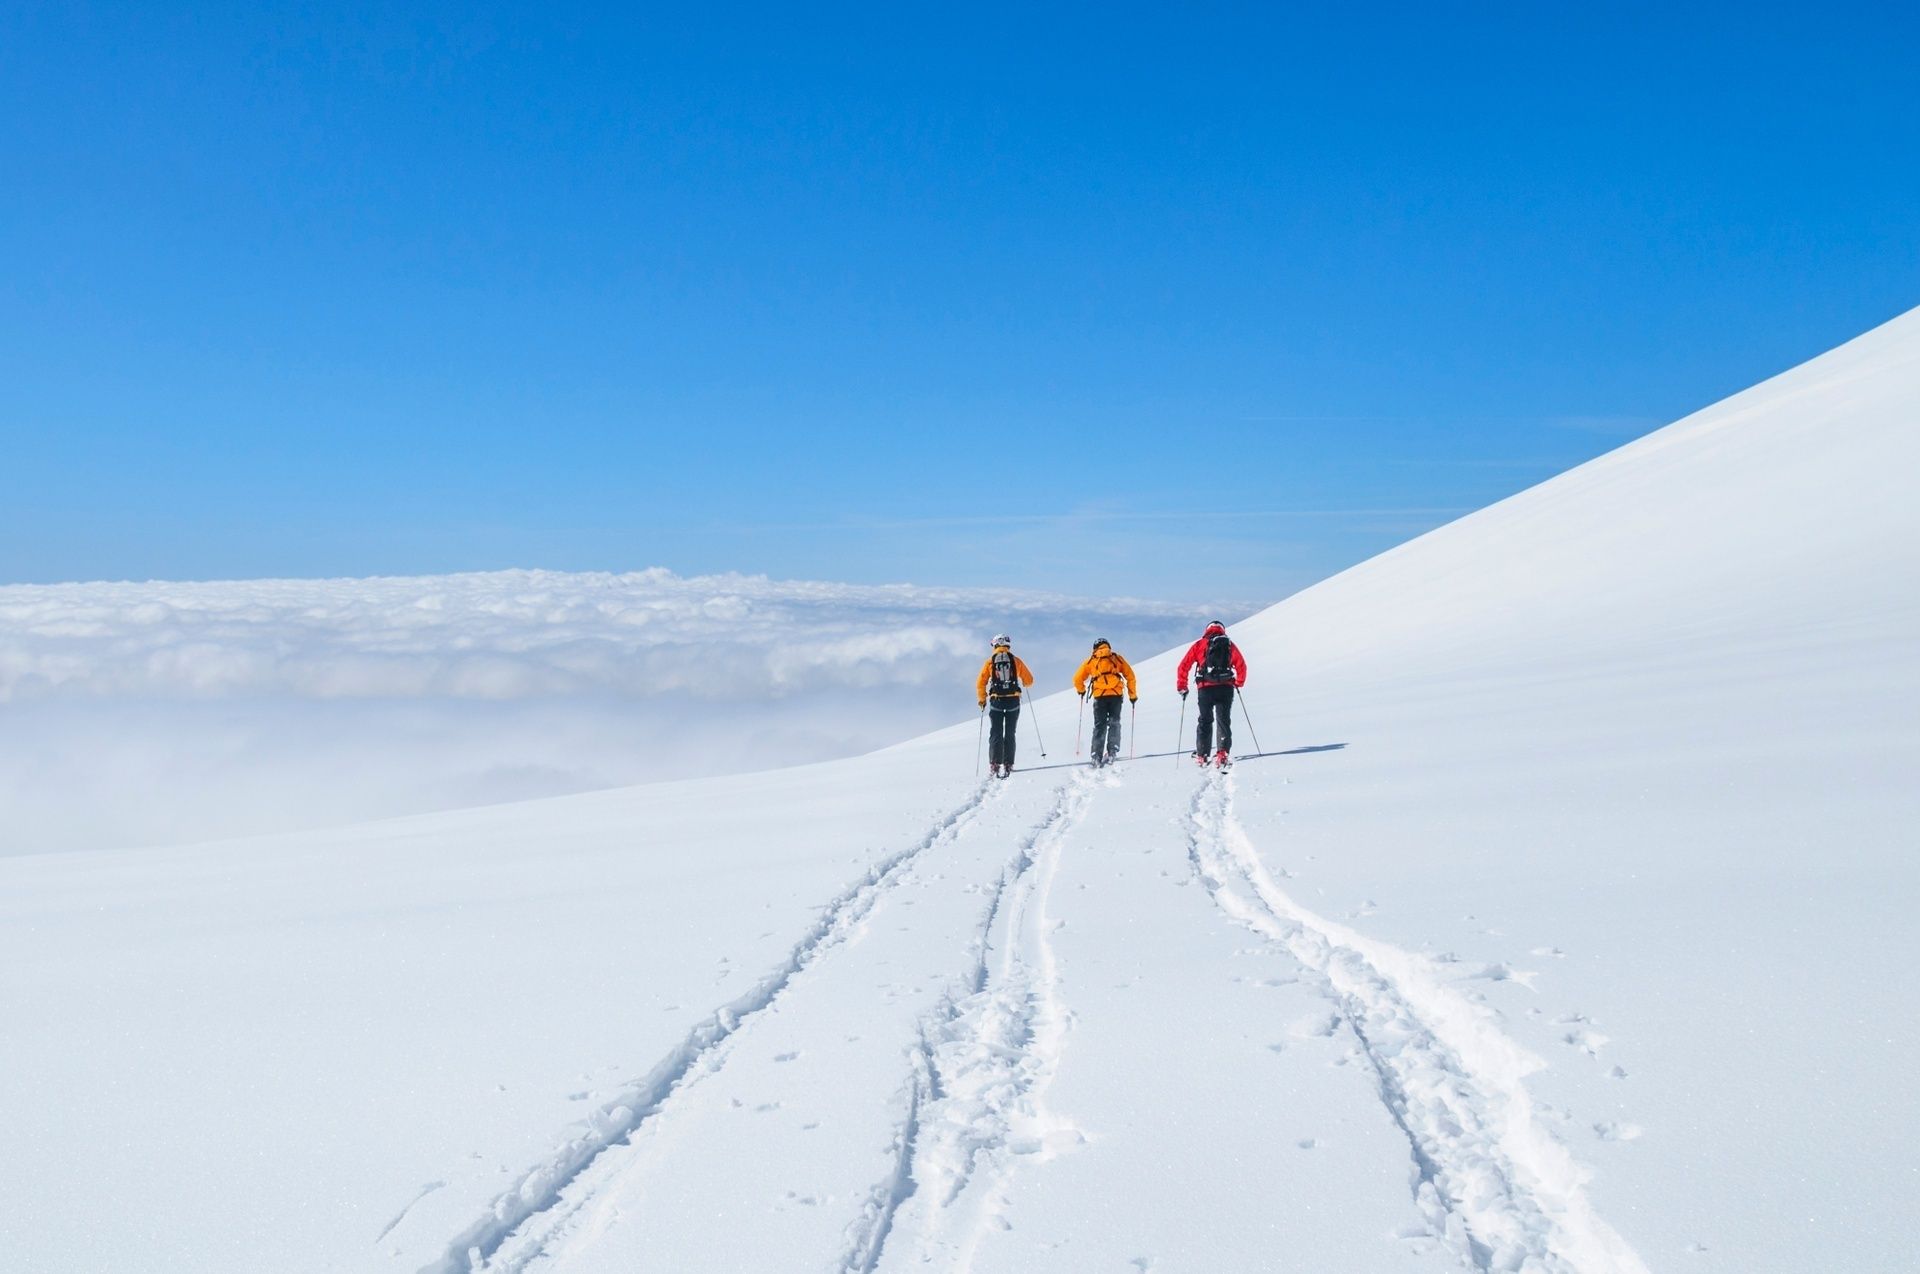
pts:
[1621, 427]
[1196, 516]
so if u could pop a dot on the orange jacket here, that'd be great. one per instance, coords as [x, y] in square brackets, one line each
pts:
[986, 675]
[1110, 673]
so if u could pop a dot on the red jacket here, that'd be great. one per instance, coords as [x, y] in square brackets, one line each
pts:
[1196, 653]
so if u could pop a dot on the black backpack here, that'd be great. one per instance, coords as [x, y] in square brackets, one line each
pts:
[1219, 665]
[1004, 682]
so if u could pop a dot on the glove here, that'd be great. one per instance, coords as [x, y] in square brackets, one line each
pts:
[1183, 694]
[983, 705]
[1133, 698]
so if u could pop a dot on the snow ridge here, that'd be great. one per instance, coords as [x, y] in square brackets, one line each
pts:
[1495, 1185]
[539, 1188]
[979, 1071]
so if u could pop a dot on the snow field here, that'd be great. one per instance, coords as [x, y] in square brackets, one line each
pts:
[1493, 1181]
[957, 960]
[615, 1122]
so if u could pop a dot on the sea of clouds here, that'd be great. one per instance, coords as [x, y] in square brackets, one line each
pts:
[144, 713]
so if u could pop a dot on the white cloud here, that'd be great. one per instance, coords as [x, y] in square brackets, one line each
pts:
[134, 713]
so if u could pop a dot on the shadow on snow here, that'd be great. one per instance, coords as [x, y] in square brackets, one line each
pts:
[1148, 756]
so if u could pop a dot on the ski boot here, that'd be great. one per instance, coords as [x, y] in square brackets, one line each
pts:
[1221, 759]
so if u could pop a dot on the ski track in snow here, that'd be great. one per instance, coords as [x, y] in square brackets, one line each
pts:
[539, 1190]
[979, 1069]
[1498, 1188]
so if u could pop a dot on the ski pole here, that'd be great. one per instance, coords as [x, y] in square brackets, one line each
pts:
[1078, 721]
[1036, 729]
[1179, 731]
[1249, 716]
[1133, 727]
[980, 740]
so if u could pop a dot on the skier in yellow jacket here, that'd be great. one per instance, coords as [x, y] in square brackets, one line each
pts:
[1106, 676]
[1001, 679]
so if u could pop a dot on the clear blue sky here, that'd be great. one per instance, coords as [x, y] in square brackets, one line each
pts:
[1160, 300]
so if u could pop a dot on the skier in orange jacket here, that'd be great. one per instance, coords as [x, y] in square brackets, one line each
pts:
[1001, 679]
[1106, 675]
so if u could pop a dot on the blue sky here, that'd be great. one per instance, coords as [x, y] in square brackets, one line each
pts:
[1200, 304]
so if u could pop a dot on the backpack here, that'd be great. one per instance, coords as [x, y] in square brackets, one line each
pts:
[1104, 675]
[1219, 664]
[1004, 682]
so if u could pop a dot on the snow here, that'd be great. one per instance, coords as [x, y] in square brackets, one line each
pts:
[1560, 924]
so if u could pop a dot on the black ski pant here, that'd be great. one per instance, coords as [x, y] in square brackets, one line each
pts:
[1004, 714]
[1106, 727]
[1215, 702]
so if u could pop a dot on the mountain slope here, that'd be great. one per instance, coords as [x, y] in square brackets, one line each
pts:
[1560, 928]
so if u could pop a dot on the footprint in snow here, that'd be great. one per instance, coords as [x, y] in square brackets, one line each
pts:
[1321, 1025]
[1581, 1035]
[1307, 1143]
[1615, 1130]
[786, 1057]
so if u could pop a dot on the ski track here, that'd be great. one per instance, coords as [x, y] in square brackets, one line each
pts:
[1498, 1188]
[980, 1067]
[539, 1189]
[867, 1236]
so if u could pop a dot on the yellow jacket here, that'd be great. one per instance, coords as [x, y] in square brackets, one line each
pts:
[1110, 673]
[986, 675]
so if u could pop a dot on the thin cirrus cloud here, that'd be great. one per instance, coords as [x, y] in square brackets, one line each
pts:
[140, 713]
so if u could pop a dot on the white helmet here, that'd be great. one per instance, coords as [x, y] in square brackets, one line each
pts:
[1003, 640]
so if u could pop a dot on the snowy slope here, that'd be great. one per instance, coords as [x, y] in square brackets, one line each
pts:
[1562, 928]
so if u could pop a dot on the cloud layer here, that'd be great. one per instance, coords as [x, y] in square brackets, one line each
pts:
[135, 713]
[515, 635]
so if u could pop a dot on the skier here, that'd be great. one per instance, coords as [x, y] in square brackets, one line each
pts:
[1109, 675]
[1219, 672]
[1000, 680]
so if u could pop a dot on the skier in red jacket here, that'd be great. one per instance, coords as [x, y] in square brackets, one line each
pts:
[1218, 670]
